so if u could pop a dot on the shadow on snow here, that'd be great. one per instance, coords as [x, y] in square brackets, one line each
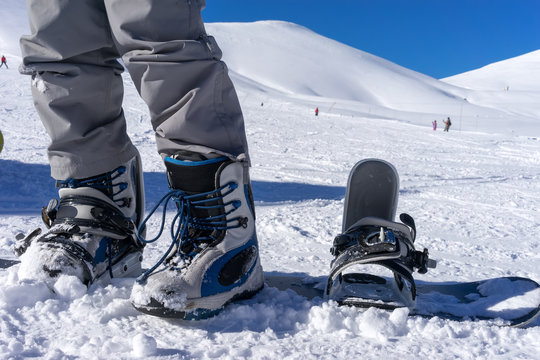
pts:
[25, 188]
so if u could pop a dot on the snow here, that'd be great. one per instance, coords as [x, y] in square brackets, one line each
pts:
[474, 193]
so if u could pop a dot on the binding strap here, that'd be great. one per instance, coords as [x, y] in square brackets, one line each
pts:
[89, 214]
[378, 241]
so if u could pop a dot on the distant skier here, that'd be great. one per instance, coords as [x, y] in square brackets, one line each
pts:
[447, 124]
[4, 62]
[317, 111]
[434, 123]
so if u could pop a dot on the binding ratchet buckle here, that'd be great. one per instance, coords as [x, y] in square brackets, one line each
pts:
[380, 237]
[382, 242]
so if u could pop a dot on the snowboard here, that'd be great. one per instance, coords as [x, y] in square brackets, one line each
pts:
[1, 141]
[358, 279]
[509, 301]
[5, 263]
[513, 300]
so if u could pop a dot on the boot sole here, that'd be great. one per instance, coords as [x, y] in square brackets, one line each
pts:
[205, 307]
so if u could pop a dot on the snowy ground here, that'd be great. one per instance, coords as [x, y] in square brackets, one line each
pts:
[475, 198]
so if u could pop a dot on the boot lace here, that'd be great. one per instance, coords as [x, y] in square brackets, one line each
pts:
[104, 183]
[200, 220]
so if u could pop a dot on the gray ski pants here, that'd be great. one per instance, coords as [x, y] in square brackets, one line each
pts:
[77, 85]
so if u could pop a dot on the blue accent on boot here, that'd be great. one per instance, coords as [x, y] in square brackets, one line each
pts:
[211, 285]
[102, 182]
[195, 163]
[101, 252]
[201, 314]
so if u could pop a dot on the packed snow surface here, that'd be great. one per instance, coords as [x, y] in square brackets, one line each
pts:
[474, 192]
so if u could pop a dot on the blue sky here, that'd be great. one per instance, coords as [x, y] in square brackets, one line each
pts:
[436, 37]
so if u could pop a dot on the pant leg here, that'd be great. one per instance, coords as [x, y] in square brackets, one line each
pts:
[177, 70]
[77, 86]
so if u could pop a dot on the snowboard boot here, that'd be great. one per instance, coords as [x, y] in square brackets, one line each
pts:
[92, 229]
[214, 255]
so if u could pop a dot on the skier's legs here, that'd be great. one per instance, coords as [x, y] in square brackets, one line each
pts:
[77, 86]
[176, 69]
[77, 90]
[197, 118]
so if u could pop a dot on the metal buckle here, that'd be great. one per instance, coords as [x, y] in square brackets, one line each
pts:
[381, 237]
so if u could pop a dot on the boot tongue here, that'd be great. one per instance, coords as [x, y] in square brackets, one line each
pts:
[196, 177]
[193, 176]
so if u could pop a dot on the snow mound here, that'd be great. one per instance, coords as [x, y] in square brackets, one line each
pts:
[295, 60]
[514, 74]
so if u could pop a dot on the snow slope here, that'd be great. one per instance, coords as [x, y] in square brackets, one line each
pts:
[516, 74]
[291, 59]
[475, 196]
[513, 85]
[14, 23]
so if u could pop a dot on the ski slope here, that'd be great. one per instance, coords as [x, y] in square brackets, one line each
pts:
[474, 193]
[317, 70]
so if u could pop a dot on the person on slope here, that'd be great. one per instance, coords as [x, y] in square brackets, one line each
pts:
[434, 123]
[447, 124]
[96, 230]
[4, 62]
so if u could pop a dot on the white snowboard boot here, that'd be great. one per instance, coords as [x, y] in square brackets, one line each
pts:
[214, 255]
[92, 229]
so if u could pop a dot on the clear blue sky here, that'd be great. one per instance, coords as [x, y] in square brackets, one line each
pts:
[436, 37]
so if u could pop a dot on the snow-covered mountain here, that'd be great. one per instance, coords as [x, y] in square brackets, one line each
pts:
[292, 61]
[512, 85]
[474, 195]
[521, 73]
[295, 61]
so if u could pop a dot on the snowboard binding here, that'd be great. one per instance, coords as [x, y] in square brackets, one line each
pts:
[375, 258]
[370, 236]
[377, 241]
[91, 229]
